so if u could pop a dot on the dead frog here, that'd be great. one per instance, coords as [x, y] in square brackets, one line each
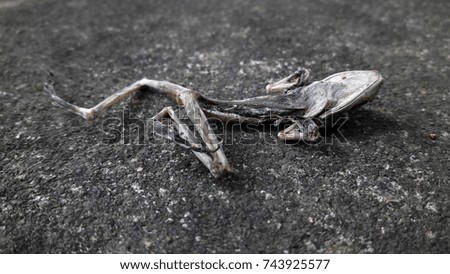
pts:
[291, 100]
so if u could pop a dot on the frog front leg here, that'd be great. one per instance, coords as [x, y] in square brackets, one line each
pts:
[296, 79]
[305, 130]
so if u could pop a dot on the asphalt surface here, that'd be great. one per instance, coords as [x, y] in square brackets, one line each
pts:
[67, 187]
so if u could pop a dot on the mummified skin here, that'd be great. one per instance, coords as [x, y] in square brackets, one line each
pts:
[292, 99]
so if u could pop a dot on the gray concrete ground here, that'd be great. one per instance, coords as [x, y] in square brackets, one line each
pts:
[65, 189]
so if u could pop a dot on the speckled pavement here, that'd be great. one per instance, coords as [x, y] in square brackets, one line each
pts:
[64, 188]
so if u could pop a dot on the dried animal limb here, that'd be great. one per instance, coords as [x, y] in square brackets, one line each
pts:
[291, 99]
